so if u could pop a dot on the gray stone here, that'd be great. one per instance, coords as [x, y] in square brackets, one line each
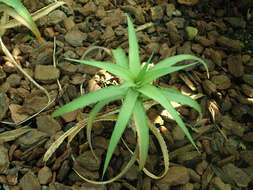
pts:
[4, 104]
[48, 125]
[46, 73]
[56, 16]
[222, 82]
[4, 160]
[31, 138]
[75, 38]
[237, 175]
[236, 22]
[45, 175]
[157, 13]
[29, 182]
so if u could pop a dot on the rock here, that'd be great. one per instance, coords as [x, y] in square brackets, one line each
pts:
[235, 65]
[170, 8]
[43, 57]
[67, 67]
[31, 138]
[232, 45]
[189, 158]
[132, 173]
[178, 133]
[176, 175]
[218, 184]
[69, 23]
[56, 16]
[215, 56]
[222, 82]
[209, 87]
[204, 41]
[136, 11]
[115, 18]
[157, 13]
[191, 32]
[45, 175]
[248, 78]
[108, 34]
[88, 161]
[237, 175]
[48, 125]
[247, 156]
[197, 48]
[29, 182]
[152, 47]
[59, 186]
[4, 160]
[63, 171]
[16, 116]
[234, 127]
[188, 2]
[187, 186]
[179, 22]
[248, 137]
[88, 9]
[2, 75]
[46, 73]
[14, 80]
[75, 38]
[236, 22]
[247, 90]
[89, 186]
[4, 104]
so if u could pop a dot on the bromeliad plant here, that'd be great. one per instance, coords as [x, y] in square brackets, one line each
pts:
[136, 89]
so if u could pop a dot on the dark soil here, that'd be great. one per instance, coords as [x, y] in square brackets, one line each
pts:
[224, 135]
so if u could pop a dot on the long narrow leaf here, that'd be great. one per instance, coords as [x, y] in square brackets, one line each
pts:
[142, 128]
[110, 67]
[134, 57]
[23, 12]
[157, 95]
[90, 98]
[170, 61]
[120, 57]
[175, 96]
[36, 15]
[93, 114]
[125, 114]
[151, 75]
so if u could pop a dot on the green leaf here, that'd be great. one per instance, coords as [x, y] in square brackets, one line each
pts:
[157, 95]
[176, 96]
[93, 114]
[125, 114]
[134, 57]
[92, 97]
[110, 67]
[151, 75]
[170, 61]
[144, 69]
[120, 57]
[23, 12]
[142, 128]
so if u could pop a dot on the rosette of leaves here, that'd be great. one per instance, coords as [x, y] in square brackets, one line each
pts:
[136, 89]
